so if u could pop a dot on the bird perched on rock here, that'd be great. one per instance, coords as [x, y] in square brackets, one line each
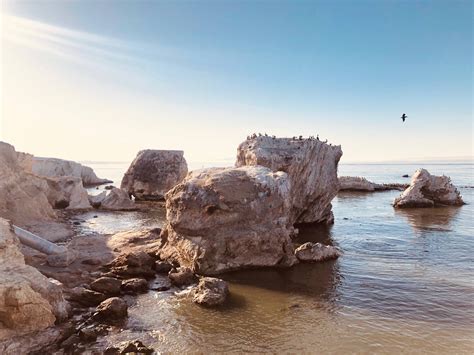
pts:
[403, 117]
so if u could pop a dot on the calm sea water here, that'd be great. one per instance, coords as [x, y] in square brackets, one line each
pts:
[405, 283]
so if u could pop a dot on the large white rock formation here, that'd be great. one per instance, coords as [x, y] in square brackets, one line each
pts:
[428, 190]
[153, 173]
[53, 167]
[311, 166]
[223, 219]
[29, 301]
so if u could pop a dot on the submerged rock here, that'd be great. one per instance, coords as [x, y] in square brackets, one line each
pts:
[52, 167]
[153, 173]
[311, 166]
[111, 310]
[118, 200]
[428, 190]
[357, 183]
[210, 292]
[224, 219]
[312, 252]
[29, 301]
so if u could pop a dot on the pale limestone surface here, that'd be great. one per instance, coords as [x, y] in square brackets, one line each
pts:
[357, 183]
[153, 173]
[223, 219]
[311, 166]
[428, 190]
[29, 301]
[118, 200]
[53, 167]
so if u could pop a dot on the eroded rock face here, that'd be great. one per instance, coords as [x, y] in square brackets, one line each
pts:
[52, 167]
[311, 166]
[23, 196]
[223, 219]
[313, 252]
[357, 183]
[210, 292]
[29, 301]
[67, 192]
[153, 173]
[428, 190]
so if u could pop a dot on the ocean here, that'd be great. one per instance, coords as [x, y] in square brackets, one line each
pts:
[405, 283]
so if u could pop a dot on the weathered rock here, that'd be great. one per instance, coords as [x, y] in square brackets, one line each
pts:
[118, 200]
[223, 219]
[86, 297]
[210, 292]
[132, 347]
[52, 167]
[136, 263]
[111, 310]
[182, 276]
[107, 285]
[62, 259]
[153, 173]
[163, 267]
[29, 301]
[96, 200]
[428, 190]
[311, 166]
[313, 252]
[357, 183]
[67, 192]
[23, 195]
[135, 285]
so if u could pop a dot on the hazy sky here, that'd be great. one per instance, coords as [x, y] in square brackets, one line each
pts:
[100, 80]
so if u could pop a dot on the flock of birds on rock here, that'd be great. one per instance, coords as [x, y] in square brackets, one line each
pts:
[300, 138]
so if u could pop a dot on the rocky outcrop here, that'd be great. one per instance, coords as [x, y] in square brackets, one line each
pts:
[357, 183]
[52, 167]
[428, 190]
[210, 292]
[29, 301]
[312, 252]
[67, 192]
[311, 166]
[23, 196]
[118, 200]
[153, 173]
[223, 219]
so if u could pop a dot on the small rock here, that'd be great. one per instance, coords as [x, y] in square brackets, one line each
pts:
[107, 285]
[95, 216]
[182, 276]
[162, 267]
[135, 285]
[316, 252]
[71, 341]
[88, 334]
[160, 285]
[76, 223]
[133, 347]
[61, 260]
[134, 264]
[210, 292]
[111, 310]
[91, 262]
[86, 297]
[406, 175]
[109, 187]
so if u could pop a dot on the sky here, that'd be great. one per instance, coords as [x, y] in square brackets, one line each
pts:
[101, 80]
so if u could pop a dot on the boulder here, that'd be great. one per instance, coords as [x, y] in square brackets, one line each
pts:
[311, 166]
[107, 285]
[52, 167]
[163, 267]
[86, 297]
[135, 263]
[428, 190]
[111, 310]
[153, 173]
[23, 195]
[135, 285]
[118, 200]
[96, 200]
[67, 192]
[29, 301]
[210, 292]
[223, 219]
[182, 276]
[312, 252]
[357, 183]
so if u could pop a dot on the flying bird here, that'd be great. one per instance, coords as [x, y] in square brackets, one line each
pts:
[403, 117]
